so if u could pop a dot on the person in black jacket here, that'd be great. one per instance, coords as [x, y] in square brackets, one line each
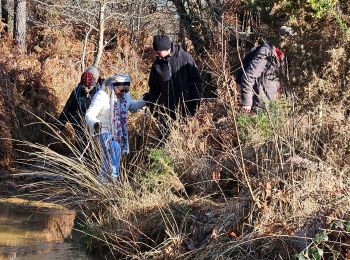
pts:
[175, 83]
[79, 101]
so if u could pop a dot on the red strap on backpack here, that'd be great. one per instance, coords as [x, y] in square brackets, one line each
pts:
[279, 54]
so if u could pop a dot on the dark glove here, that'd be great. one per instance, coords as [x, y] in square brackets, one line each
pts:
[146, 97]
[100, 81]
[193, 106]
[97, 127]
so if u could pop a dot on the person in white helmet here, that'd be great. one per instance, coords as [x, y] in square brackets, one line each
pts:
[107, 117]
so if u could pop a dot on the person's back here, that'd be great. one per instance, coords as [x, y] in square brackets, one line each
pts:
[260, 80]
[80, 100]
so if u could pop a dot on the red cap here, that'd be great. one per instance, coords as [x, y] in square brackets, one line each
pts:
[87, 79]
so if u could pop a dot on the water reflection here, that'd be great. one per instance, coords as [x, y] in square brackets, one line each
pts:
[34, 233]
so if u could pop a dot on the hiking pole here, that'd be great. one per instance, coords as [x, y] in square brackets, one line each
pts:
[87, 146]
[143, 125]
[141, 133]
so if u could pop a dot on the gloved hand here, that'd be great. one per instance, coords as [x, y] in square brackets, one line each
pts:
[146, 97]
[193, 106]
[97, 127]
[246, 109]
[100, 81]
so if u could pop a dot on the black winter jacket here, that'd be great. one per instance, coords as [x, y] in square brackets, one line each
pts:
[175, 80]
[76, 106]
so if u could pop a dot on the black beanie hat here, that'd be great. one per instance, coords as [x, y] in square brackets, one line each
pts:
[161, 43]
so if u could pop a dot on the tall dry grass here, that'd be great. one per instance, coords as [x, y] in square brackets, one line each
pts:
[257, 188]
[224, 184]
[288, 164]
[113, 212]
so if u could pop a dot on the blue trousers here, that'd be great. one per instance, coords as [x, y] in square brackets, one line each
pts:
[111, 152]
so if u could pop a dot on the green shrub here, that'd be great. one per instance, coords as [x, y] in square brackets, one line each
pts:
[319, 248]
[160, 175]
[321, 7]
[343, 25]
[314, 250]
[260, 126]
[160, 162]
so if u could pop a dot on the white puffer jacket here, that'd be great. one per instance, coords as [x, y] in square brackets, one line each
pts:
[100, 110]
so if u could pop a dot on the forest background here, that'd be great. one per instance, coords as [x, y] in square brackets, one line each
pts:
[225, 184]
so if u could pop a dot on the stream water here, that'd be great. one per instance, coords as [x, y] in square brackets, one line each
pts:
[36, 234]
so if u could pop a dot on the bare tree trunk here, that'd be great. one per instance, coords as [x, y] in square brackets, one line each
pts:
[100, 45]
[6, 15]
[87, 35]
[20, 24]
[139, 15]
[186, 21]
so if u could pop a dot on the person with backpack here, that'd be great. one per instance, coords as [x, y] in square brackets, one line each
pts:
[107, 118]
[175, 83]
[79, 101]
[259, 77]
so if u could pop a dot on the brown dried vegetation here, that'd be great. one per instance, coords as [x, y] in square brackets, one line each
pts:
[225, 195]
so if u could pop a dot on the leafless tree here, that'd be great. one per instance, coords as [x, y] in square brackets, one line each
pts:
[101, 28]
[198, 20]
[97, 15]
[20, 24]
[7, 14]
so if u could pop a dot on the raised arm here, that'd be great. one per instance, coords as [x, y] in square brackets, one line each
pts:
[134, 105]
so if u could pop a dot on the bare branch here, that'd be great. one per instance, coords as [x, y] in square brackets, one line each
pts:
[84, 49]
[100, 46]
